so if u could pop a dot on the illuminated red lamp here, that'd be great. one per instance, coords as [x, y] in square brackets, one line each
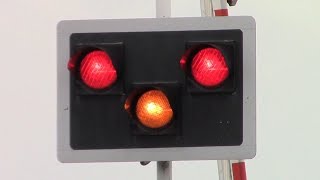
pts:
[97, 70]
[209, 67]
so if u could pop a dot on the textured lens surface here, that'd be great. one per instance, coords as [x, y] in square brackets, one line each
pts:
[153, 109]
[97, 70]
[209, 67]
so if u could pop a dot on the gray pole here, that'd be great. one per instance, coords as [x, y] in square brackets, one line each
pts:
[164, 170]
[163, 8]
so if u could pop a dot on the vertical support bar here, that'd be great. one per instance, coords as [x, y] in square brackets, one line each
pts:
[164, 170]
[206, 8]
[163, 8]
[224, 169]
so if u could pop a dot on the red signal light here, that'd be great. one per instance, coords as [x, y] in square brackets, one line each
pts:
[209, 67]
[97, 70]
[153, 109]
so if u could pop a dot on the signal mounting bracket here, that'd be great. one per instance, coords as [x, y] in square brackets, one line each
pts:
[164, 168]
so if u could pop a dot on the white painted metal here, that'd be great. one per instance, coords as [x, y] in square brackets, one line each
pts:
[206, 8]
[163, 8]
[225, 170]
[164, 170]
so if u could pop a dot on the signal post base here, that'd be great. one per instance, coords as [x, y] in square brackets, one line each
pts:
[164, 170]
[228, 170]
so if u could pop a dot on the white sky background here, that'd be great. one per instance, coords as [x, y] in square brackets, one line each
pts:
[288, 89]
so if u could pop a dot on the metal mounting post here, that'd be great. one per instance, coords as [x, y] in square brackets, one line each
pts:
[164, 170]
[163, 8]
[206, 8]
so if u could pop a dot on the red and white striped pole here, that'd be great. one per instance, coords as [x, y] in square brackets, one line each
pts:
[232, 170]
[220, 7]
[214, 7]
[238, 170]
[228, 169]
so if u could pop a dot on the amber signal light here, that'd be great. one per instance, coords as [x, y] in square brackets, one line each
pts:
[153, 109]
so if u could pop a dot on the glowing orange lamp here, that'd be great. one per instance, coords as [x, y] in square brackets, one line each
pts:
[153, 109]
